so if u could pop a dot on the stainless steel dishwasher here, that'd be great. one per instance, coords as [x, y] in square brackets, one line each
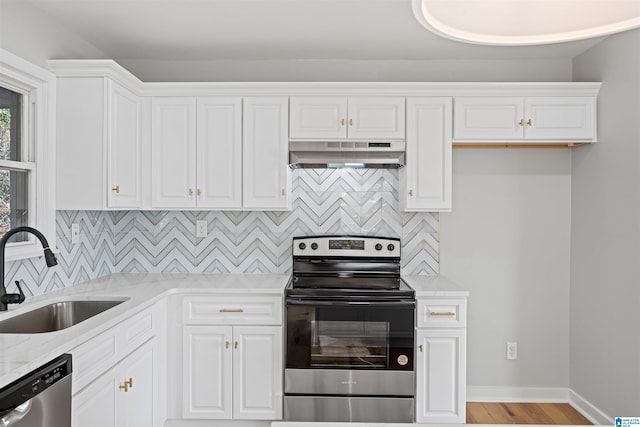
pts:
[42, 398]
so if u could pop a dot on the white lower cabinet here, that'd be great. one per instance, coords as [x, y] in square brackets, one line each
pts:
[122, 396]
[232, 372]
[440, 394]
[441, 360]
[231, 357]
[118, 375]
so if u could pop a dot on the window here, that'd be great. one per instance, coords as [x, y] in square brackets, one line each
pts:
[27, 154]
[14, 172]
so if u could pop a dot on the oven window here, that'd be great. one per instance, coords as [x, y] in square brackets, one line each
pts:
[342, 344]
[326, 336]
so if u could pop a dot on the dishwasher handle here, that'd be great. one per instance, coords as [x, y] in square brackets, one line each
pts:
[13, 416]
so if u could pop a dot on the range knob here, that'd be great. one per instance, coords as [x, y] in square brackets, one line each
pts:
[314, 246]
[378, 247]
[302, 246]
[390, 247]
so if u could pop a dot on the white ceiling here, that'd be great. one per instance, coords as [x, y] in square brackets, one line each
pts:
[271, 29]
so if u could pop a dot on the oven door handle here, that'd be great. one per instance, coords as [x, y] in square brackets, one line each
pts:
[352, 303]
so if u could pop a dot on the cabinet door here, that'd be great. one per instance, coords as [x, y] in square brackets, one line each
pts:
[95, 405]
[173, 152]
[425, 181]
[125, 395]
[219, 153]
[123, 148]
[265, 166]
[488, 119]
[257, 373]
[318, 117]
[137, 403]
[441, 376]
[207, 370]
[557, 118]
[80, 129]
[378, 118]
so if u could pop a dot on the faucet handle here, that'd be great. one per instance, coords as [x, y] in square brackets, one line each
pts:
[21, 296]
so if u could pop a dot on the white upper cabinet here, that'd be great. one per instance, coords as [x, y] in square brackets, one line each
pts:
[173, 152]
[196, 153]
[123, 148]
[98, 145]
[314, 117]
[219, 153]
[376, 118]
[525, 119]
[568, 118]
[425, 181]
[347, 118]
[266, 178]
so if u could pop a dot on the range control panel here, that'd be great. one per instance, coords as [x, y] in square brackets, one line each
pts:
[336, 246]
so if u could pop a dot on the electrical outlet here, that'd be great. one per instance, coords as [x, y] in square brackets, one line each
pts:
[512, 350]
[75, 233]
[201, 228]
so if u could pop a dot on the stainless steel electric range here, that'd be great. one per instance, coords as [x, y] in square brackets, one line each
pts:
[349, 332]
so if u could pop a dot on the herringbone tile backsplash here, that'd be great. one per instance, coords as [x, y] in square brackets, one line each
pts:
[343, 201]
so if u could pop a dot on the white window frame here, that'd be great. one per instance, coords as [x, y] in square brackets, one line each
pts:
[38, 87]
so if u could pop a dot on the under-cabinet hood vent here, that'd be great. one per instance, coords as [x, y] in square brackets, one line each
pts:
[346, 154]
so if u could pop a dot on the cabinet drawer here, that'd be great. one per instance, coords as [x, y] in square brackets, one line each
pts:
[100, 353]
[92, 358]
[442, 313]
[137, 330]
[232, 310]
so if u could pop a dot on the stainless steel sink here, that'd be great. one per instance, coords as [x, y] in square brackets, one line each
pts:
[55, 316]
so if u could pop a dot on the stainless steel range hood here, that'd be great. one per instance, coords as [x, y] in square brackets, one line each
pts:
[346, 154]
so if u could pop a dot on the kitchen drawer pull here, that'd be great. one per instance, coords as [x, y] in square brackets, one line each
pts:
[235, 345]
[442, 313]
[226, 344]
[420, 348]
[231, 310]
[116, 189]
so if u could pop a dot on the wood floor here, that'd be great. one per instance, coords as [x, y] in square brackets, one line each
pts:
[523, 413]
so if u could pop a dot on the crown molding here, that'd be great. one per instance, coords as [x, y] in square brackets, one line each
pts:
[113, 70]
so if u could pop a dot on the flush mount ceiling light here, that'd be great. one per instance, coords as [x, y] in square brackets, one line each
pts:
[526, 22]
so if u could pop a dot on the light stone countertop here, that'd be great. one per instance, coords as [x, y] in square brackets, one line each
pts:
[22, 353]
[435, 286]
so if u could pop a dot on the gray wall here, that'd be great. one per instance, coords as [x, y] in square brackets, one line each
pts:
[605, 242]
[507, 241]
[32, 35]
[352, 70]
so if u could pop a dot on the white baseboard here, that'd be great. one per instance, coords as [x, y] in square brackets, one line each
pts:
[590, 412]
[539, 394]
[517, 394]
